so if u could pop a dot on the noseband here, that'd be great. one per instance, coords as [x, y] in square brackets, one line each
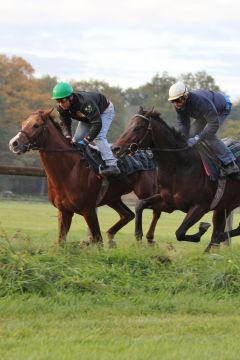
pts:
[136, 146]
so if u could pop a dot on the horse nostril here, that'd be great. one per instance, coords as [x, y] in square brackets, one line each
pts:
[15, 143]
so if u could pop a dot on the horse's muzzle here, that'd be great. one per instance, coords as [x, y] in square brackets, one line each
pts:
[16, 147]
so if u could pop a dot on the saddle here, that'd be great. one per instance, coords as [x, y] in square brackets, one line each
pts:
[141, 160]
[211, 163]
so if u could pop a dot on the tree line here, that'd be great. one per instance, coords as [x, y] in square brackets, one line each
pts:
[21, 93]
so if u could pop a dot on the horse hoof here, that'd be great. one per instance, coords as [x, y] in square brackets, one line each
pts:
[211, 247]
[204, 226]
[151, 242]
[112, 245]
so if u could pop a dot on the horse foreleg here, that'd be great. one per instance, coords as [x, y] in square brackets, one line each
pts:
[151, 230]
[231, 233]
[93, 225]
[193, 216]
[64, 223]
[126, 215]
[219, 222]
[89, 234]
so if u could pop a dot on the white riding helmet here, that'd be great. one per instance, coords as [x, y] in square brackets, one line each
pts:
[177, 90]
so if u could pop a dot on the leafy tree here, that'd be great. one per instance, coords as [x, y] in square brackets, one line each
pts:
[153, 94]
[200, 80]
[20, 92]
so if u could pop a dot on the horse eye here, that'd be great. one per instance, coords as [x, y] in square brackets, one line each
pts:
[36, 126]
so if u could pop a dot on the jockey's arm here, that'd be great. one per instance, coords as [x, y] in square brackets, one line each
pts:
[210, 114]
[94, 118]
[183, 122]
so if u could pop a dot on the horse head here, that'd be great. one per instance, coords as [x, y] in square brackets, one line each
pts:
[147, 130]
[138, 134]
[32, 134]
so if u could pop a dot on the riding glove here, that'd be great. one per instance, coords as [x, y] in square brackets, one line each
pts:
[83, 142]
[193, 141]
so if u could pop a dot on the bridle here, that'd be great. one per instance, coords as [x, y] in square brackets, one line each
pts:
[36, 141]
[138, 146]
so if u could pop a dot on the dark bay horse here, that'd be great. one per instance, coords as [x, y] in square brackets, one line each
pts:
[72, 186]
[183, 184]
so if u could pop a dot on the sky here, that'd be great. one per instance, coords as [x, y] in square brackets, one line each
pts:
[126, 42]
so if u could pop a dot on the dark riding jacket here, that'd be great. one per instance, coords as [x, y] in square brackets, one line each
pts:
[86, 107]
[206, 107]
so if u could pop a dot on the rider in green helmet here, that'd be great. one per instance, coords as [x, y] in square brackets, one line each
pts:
[94, 112]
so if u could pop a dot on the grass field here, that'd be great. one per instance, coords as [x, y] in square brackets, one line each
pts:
[133, 302]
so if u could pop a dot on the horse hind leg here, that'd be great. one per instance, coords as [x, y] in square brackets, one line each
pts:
[126, 215]
[139, 207]
[91, 219]
[153, 203]
[151, 231]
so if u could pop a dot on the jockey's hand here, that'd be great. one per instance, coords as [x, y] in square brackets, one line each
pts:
[193, 141]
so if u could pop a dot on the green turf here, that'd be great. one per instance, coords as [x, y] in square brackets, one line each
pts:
[133, 302]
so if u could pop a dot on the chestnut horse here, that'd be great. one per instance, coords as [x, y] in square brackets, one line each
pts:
[183, 183]
[72, 186]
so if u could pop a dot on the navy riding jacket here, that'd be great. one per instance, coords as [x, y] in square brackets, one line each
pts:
[205, 106]
[86, 107]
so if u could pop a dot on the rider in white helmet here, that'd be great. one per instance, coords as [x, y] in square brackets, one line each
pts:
[209, 109]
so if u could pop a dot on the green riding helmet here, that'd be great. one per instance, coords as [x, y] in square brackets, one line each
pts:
[62, 90]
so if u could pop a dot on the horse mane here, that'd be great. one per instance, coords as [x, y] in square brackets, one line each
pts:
[177, 136]
[52, 118]
[56, 123]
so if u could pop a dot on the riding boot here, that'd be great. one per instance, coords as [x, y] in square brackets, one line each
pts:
[231, 168]
[110, 170]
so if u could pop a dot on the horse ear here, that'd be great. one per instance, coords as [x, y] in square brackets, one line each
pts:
[140, 109]
[152, 109]
[48, 112]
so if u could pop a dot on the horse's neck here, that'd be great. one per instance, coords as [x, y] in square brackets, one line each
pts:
[168, 150]
[57, 157]
[55, 139]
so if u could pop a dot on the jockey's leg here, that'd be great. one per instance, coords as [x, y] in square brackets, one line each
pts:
[81, 131]
[103, 145]
[220, 150]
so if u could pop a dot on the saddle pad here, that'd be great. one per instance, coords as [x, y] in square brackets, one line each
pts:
[142, 160]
